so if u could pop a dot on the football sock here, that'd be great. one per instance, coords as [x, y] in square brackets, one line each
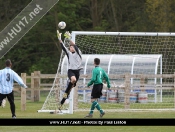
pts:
[92, 107]
[63, 100]
[67, 92]
[98, 107]
[69, 87]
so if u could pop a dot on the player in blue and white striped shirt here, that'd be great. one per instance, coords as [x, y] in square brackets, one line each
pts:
[7, 78]
[3, 101]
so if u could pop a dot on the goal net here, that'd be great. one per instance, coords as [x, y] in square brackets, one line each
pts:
[140, 66]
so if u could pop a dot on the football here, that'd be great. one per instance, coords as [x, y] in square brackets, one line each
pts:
[62, 25]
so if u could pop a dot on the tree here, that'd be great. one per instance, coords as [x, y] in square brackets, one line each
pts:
[161, 14]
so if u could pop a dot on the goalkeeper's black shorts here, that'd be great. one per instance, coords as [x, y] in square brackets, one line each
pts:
[96, 91]
[75, 73]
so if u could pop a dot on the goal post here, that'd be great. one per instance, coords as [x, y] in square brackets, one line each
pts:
[136, 53]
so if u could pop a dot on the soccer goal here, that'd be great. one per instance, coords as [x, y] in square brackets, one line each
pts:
[123, 55]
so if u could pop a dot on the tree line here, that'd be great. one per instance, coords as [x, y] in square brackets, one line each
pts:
[39, 48]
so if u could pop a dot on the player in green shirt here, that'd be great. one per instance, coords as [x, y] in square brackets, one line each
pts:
[98, 75]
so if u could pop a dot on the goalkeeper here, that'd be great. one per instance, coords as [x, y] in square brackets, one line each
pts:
[98, 75]
[74, 64]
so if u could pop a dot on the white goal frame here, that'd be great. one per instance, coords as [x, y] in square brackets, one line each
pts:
[75, 33]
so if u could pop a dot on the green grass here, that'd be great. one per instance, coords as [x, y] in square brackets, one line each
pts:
[167, 103]
[88, 129]
[150, 105]
[31, 112]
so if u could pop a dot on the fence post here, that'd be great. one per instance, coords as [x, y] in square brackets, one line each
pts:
[127, 91]
[37, 86]
[174, 89]
[32, 88]
[57, 88]
[142, 82]
[75, 100]
[23, 93]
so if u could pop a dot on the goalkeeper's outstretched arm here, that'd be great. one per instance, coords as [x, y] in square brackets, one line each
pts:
[59, 36]
[61, 42]
[68, 36]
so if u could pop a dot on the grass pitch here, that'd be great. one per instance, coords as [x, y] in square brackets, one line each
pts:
[31, 112]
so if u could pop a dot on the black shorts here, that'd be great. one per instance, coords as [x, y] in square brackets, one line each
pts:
[9, 96]
[75, 73]
[96, 91]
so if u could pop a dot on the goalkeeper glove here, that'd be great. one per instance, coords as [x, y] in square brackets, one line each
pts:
[67, 35]
[59, 35]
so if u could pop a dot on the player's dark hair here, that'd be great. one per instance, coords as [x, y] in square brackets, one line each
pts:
[8, 62]
[97, 61]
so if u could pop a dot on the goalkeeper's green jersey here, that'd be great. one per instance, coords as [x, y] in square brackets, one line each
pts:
[98, 75]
